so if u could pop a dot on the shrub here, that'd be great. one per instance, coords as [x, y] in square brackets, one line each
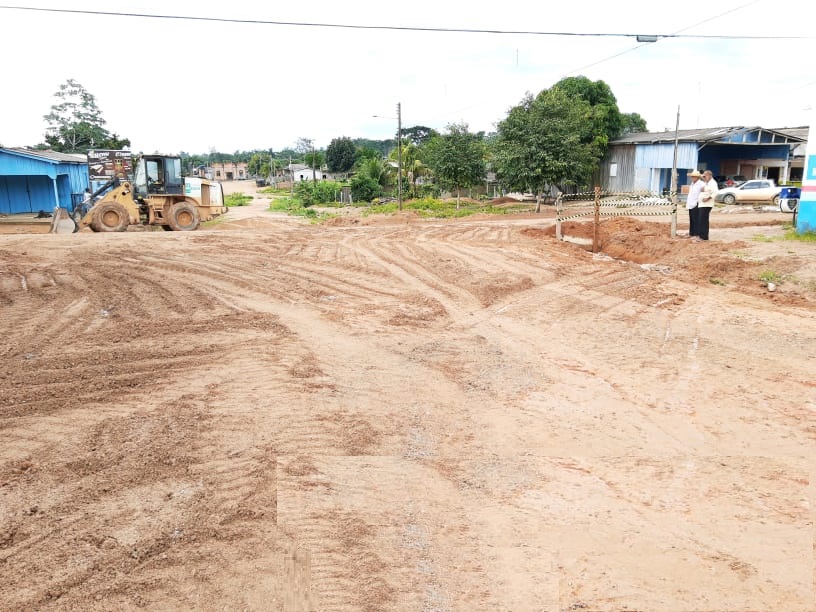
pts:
[237, 199]
[364, 188]
[431, 190]
[292, 206]
[320, 192]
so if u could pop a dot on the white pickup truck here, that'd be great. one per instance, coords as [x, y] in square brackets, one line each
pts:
[755, 190]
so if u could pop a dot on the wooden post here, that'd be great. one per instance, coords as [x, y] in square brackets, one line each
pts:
[559, 205]
[674, 188]
[673, 231]
[597, 219]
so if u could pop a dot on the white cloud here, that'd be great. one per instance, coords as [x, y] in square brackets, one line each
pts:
[172, 85]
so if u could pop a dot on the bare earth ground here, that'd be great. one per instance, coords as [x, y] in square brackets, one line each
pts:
[397, 414]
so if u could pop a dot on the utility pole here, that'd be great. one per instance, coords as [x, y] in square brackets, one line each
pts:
[673, 228]
[399, 155]
[314, 177]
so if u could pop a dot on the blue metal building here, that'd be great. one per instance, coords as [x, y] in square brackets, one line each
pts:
[644, 161]
[31, 181]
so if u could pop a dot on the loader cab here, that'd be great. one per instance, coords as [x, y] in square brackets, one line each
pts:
[159, 175]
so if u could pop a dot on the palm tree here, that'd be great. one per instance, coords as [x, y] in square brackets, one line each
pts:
[378, 169]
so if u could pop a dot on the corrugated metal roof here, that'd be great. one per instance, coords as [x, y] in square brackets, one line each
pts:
[796, 132]
[697, 135]
[54, 156]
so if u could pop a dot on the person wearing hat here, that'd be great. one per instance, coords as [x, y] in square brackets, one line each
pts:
[705, 203]
[692, 203]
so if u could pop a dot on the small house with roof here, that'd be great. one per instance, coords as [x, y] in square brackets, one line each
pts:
[32, 181]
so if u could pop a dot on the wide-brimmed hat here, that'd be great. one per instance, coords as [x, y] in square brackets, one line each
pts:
[695, 173]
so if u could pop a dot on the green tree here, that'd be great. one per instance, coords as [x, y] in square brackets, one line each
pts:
[364, 188]
[370, 180]
[340, 155]
[305, 147]
[632, 123]
[381, 146]
[260, 164]
[607, 121]
[378, 169]
[456, 158]
[412, 165]
[75, 123]
[365, 153]
[419, 134]
[546, 141]
[314, 159]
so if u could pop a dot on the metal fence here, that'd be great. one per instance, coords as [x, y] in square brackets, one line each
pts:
[600, 203]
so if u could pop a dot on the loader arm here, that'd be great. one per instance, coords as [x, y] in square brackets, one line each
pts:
[114, 211]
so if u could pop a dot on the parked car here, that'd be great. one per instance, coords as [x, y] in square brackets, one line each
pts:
[729, 181]
[757, 190]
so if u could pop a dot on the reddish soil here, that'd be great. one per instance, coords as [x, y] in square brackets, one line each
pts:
[400, 414]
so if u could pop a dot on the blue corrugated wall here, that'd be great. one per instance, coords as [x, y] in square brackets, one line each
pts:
[29, 184]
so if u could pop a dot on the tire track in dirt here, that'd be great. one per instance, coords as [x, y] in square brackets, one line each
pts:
[307, 473]
[125, 459]
[427, 436]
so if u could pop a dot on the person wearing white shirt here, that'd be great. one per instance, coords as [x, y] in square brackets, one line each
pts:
[692, 201]
[705, 203]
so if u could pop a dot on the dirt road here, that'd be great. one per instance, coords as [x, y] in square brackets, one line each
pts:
[411, 415]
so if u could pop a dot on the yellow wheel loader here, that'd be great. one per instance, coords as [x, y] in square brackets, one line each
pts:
[159, 195]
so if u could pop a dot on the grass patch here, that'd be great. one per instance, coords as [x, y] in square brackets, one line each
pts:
[215, 221]
[769, 276]
[792, 234]
[275, 191]
[763, 238]
[237, 199]
[292, 206]
[436, 209]
[717, 281]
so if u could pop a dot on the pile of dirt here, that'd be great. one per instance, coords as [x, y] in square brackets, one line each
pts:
[715, 262]
[504, 200]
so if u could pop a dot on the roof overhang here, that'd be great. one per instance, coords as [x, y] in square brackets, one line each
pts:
[726, 135]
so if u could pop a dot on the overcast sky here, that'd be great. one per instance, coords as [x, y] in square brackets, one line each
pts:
[175, 85]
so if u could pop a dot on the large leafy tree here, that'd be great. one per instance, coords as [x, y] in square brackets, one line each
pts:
[632, 123]
[340, 155]
[381, 146]
[456, 158]
[419, 134]
[260, 164]
[75, 123]
[545, 141]
[607, 121]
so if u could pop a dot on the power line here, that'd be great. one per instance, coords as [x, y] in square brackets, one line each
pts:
[677, 34]
[398, 28]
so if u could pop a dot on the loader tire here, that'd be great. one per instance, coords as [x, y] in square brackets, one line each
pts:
[184, 217]
[110, 217]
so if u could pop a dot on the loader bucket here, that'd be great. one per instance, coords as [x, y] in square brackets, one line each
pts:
[58, 222]
[63, 223]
